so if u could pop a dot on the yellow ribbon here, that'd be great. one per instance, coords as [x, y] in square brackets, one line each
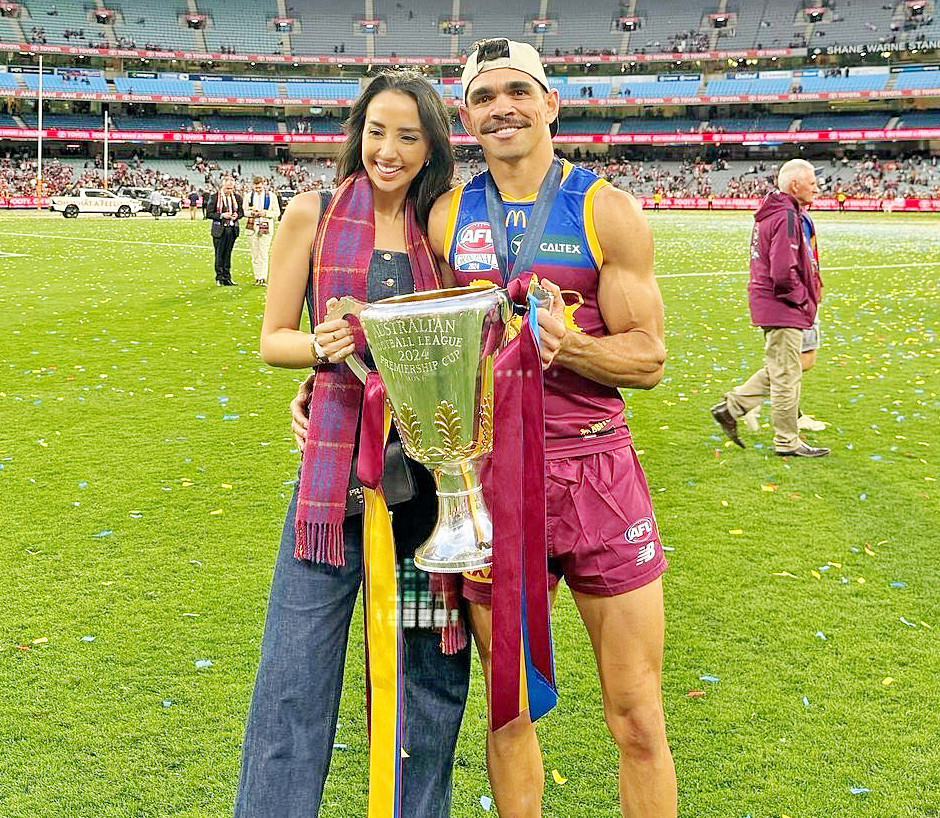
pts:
[384, 655]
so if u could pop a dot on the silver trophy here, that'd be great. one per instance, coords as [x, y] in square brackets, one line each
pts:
[434, 351]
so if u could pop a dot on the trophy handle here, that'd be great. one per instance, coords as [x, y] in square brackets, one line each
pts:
[348, 305]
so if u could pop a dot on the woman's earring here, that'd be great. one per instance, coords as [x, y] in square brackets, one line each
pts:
[427, 161]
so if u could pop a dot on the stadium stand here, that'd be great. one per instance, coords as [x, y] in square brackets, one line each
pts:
[734, 86]
[71, 24]
[240, 124]
[839, 82]
[82, 121]
[920, 119]
[156, 87]
[79, 82]
[822, 122]
[324, 125]
[669, 88]
[916, 79]
[583, 27]
[660, 125]
[582, 88]
[669, 25]
[9, 81]
[497, 18]
[744, 124]
[153, 25]
[322, 90]
[7, 121]
[235, 88]
[156, 122]
[585, 125]
[324, 28]
[241, 27]
[412, 27]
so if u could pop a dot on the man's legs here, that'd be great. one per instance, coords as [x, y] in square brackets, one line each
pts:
[227, 242]
[217, 244]
[627, 636]
[513, 756]
[782, 356]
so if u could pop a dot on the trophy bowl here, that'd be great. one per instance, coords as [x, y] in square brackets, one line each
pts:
[434, 351]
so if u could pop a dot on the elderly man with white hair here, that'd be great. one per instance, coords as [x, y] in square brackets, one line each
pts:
[783, 293]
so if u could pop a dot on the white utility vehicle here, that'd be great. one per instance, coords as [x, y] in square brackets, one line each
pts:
[94, 200]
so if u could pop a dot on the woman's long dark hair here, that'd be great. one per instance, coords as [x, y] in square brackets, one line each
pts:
[435, 178]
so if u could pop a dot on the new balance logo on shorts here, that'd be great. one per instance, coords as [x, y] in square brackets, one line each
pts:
[646, 553]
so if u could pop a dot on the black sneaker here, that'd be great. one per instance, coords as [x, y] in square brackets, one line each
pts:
[806, 451]
[726, 421]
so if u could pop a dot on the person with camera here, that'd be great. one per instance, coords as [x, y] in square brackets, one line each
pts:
[225, 209]
[263, 210]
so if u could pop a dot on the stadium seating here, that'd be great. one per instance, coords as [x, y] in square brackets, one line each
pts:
[745, 124]
[68, 17]
[663, 20]
[322, 90]
[917, 79]
[577, 90]
[585, 125]
[154, 24]
[835, 84]
[920, 119]
[735, 87]
[57, 82]
[242, 26]
[79, 121]
[143, 85]
[314, 125]
[659, 125]
[9, 81]
[640, 90]
[235, 88]
[323, 27]
[240, 124]
[157, 122]
[823, 122]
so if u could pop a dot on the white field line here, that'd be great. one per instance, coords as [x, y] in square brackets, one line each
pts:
[117, 241]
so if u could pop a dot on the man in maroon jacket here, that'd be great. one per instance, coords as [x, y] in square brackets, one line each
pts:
[783, 293]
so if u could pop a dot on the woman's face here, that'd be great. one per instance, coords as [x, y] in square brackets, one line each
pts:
[394, 146]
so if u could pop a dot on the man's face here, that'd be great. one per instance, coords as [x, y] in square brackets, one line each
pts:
[258, 187]
[228, 184]
[508, 112]
[804, 188]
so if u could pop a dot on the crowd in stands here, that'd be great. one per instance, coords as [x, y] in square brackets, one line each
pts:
[916, 176]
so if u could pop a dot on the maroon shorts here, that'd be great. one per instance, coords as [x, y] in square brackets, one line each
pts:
[602, 535]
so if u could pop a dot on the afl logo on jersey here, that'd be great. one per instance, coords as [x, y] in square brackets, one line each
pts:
[640, 530]
[473, 249]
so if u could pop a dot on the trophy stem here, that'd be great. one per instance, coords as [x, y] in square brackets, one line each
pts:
[462, 539]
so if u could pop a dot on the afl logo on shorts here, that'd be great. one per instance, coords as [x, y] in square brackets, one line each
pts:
[640, 530]
[473, 249]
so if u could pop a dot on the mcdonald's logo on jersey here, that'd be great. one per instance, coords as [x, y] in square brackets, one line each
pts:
[517, 218]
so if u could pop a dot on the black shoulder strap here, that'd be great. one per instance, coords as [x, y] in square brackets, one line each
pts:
[326, 196]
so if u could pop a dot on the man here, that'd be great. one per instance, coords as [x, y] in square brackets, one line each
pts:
[193, 203]
[783, 294]
[156, 203]
[225, 209]
[598, 248]
[263, 210]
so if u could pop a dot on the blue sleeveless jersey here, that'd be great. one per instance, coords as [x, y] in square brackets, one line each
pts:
[577, 409]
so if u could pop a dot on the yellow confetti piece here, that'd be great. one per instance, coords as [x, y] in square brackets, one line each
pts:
[768, 487]
[835, 564]
[724, 503]
[41, 640]
[869, 551]
[928, 627]
[887, 680]
[216, 512]
[783, 574]
[110, 582]
[558, 777]
[735, 531]
[861, 580]
[816, 574]
[226, 485]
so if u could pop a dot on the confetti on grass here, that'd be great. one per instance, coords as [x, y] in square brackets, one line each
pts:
[859, 790]
[485, 803]
[203, 663]
[559, 778]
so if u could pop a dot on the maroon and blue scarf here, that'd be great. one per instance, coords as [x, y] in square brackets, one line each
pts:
[341, 255]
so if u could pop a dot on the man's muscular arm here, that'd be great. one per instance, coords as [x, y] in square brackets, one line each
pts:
[437, 227]
[629, 300]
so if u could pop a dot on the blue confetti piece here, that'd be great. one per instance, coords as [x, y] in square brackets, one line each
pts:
[338, 746]
[82, 485]
[668, 548]
[104, 533]
[200, 417]
[821, 635]
[876, 457]
[88, 639]
[712, 679]
[166, 703]
[863, 496]
[859, 790]
[805, 702]
[203, 663]
[223, 399]
[486, 802]
[855, 550]
[230, 417]
[898, 584]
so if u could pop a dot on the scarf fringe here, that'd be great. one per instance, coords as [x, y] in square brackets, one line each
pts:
[320, 542]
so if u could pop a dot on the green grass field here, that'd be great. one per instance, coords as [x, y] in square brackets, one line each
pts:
[145, 461]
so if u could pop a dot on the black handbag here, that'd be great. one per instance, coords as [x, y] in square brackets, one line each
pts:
[398, 482]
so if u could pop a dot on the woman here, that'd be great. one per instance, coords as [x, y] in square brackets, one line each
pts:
[368, 241]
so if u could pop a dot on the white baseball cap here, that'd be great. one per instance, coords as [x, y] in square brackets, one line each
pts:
[489, 55]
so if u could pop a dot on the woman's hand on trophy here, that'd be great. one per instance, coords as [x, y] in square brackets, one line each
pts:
[552, 329]
[299, 408]
[334, 337]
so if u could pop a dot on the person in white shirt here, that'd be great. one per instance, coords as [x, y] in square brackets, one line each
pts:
[156, 204]
[262, 209]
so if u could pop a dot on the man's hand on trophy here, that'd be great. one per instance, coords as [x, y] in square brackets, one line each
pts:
[552, 328]
[335, 337]
[298, 412]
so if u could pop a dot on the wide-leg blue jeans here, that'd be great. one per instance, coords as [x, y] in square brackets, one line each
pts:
[294, 708]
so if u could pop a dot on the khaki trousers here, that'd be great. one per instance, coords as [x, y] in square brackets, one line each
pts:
[780, 379]
[260, 244]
